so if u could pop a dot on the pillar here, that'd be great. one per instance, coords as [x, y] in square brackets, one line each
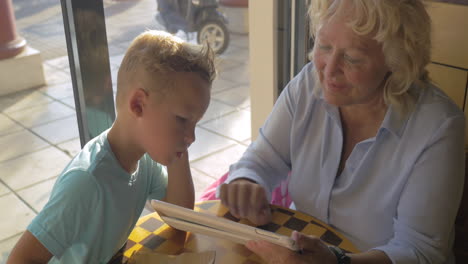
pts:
[10, 43]
[17, 60]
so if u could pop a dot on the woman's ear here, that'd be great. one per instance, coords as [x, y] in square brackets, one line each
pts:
[137, 103]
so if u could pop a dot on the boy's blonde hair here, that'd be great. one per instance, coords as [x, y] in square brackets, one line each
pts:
[403, 27]
[157, 53]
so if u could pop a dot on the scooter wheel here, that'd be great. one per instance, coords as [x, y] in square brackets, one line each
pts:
[215, 33]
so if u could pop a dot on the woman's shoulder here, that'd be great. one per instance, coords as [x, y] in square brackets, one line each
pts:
[305, 77]
[435, 101]
[433, 110]
[303, 85]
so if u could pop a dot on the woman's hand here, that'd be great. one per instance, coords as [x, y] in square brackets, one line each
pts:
[246, 199]
[313, 251]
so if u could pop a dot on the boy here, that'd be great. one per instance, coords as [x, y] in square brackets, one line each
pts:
[163, 90]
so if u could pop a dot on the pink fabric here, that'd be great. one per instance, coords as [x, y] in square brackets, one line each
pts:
[210, 192]
[279, 196]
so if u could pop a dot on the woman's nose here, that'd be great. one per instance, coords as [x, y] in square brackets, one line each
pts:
[332, 66]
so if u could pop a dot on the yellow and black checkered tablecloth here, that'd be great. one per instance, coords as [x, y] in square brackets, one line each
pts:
[151, 234]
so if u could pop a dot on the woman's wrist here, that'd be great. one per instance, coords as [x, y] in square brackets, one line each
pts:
[341, 257]
[245, 179]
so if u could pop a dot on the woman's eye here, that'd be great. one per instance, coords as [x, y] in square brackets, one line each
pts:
[351, 59]
[324, 47]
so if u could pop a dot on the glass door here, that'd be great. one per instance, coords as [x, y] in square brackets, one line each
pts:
[85, 31]
[280, 43]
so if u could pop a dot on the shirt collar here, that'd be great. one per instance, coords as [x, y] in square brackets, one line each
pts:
[392, 120]
[331, 110]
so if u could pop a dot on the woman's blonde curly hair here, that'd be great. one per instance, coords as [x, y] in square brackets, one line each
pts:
[402, 27]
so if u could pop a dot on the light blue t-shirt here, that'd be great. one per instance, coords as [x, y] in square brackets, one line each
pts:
[95, 204]
[398, 192]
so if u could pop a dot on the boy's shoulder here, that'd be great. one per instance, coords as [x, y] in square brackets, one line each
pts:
[97, 160]
[96, 153]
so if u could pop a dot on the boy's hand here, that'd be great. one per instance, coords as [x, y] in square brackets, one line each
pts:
[246, 199]
[180, 190]
[180, 160]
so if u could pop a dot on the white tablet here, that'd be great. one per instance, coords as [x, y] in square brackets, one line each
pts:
[188, 220]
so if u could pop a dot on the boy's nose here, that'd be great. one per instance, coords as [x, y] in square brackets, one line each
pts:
[189, 137]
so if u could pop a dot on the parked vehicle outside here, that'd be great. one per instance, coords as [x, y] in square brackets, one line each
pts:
[200, 16]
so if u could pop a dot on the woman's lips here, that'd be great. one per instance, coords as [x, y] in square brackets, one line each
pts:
[334, 87]
[179, 154]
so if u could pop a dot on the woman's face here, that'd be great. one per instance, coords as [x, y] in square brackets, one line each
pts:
[351, 68]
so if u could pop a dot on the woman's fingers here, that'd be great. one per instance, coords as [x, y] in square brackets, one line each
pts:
[259, 211]
[307, 243]
[233, 199]
[312, 245]
[314, 251]
[246, 199]
[231, 195]
[269, 252]
[252, 203]
[262, 218]
[243, 193]
[224, 194]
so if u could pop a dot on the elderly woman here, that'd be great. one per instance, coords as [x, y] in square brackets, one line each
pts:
[374, 149]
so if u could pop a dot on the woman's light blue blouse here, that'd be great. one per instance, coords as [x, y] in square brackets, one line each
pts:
[399, 191]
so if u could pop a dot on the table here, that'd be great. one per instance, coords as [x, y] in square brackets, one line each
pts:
[151, 234]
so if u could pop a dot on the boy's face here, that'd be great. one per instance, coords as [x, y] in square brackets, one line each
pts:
[167, 126]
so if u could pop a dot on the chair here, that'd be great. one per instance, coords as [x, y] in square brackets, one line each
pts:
[461, 224]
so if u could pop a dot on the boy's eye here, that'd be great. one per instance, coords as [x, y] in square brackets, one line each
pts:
[181, 119]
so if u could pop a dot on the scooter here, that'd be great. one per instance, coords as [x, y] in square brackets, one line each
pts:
[200, 16]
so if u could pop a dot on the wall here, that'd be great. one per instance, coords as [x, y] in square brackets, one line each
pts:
[449, 69]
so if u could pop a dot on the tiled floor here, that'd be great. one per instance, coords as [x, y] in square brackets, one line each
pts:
[39, 135]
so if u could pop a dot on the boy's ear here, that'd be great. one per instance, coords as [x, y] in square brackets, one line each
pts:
[138, 100]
